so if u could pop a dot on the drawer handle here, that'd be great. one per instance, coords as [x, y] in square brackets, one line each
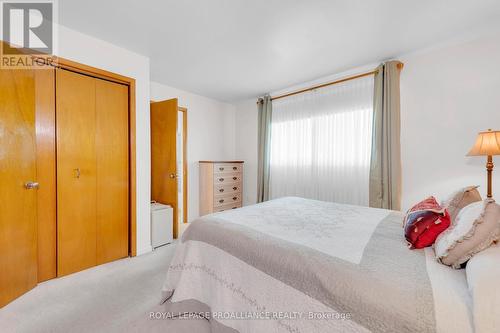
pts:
[234, 178]
[221, 169]
[235, 168]
[221, 179]
[235, 188]
[234, 207]
[221, 190]
[221, 200]
[235, 198]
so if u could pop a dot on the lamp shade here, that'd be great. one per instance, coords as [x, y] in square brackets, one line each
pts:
[487, 143]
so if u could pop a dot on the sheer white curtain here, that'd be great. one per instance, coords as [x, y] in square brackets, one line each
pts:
[321, 143]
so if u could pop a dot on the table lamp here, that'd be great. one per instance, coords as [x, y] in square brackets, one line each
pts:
[487, 144]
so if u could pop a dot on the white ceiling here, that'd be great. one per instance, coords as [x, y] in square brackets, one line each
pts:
[237, 49]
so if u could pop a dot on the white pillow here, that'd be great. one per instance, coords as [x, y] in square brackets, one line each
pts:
[477, 226]
[483, 279]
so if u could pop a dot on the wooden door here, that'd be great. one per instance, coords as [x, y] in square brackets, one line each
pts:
[18, 246]
[112, 170]
[163, 155]
[46, 173]
[184, 165]
[76, 171]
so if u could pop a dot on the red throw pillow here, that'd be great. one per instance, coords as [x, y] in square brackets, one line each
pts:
[424, 222]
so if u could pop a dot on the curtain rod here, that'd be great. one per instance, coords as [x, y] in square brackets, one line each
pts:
[400, 66]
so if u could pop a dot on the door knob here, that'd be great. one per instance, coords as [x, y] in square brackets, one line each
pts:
[172, 175]
[31, 185]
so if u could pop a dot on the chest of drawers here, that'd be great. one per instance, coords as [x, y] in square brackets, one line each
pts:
[220, 186]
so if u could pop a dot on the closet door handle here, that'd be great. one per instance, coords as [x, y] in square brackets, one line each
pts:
[31, 185]
[77, 172]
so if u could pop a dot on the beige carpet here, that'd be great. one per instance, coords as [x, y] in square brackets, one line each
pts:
[109, 298]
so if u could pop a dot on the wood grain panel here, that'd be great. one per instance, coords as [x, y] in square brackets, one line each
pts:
[206, 179]
[132, 237]
[163, 155]
[112, 170]
[46, 173]
[76, 172]
[18, 246]
[224, 199]
[227, 207]
[130, 82]
[184, 164]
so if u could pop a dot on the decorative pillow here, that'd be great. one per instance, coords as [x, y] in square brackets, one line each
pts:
[460, 199]
[477, 226]
[424, 222]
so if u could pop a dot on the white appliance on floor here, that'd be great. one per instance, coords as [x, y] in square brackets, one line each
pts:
[161, 224]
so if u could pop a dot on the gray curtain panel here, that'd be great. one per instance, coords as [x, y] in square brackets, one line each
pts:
[385, 166]
[265, 116]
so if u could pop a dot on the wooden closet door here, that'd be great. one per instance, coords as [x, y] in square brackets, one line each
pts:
[76, 171]
[163, 117]
[18, 254]
[112, 170]
[46, 173]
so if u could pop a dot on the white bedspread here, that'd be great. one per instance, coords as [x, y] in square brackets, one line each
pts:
[297, 265]
[309, 223]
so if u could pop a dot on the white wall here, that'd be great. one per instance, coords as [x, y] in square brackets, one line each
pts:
[246, 147]
[211, 134]
[448, 94]
[87, 50]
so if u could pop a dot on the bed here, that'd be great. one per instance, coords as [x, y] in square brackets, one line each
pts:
[298, 265]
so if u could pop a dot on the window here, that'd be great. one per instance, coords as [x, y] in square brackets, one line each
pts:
[321, 143]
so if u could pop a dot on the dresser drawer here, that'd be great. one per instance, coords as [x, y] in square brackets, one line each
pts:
[227, 207]
[225, 189]
[229, 178]
[221, 200]
[224, 168]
